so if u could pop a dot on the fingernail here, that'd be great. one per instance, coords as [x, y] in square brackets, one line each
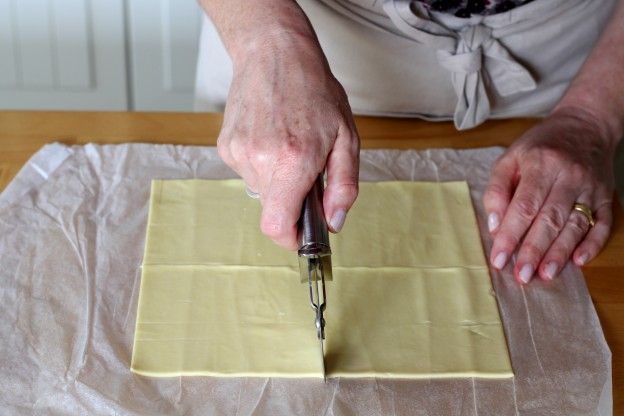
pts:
[582, 259]
[337, 221]
[500, 260]
[550, 270]
[526, 272]
[493, 221]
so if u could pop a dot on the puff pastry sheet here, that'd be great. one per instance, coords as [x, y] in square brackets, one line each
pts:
[411, 295]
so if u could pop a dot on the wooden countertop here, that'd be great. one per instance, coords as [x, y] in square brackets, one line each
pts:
[22, 133]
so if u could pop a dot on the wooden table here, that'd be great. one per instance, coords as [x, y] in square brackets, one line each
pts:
[23, 133]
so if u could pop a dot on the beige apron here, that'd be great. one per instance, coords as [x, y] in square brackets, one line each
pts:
[396, 58]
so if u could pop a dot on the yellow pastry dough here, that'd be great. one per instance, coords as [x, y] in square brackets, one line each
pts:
[411, 295]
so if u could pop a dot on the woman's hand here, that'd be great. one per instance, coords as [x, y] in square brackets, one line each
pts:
[287, 119]
[567, 158]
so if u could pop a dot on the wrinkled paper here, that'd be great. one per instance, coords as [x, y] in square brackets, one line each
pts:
[72, 228]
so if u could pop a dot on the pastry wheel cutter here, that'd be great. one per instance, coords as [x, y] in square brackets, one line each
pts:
[315, 257]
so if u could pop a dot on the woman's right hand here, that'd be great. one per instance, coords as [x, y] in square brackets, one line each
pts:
[287, 119]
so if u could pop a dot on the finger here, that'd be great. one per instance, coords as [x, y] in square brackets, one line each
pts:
[545, 228]
[224, 150]
[597, 235]
[343, 164]
[499, 190]
[523, 208]
[559, 252]
[282, 199]
[239, 159]
[248, 172]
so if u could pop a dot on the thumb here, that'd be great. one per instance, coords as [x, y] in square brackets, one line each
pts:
[500, 190]
[343, 165]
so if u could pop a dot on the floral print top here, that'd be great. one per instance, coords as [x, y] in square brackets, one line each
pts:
[464, 8]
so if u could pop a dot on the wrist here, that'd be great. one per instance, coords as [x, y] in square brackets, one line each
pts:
[608, 125]
[274, 43]
[266, 28]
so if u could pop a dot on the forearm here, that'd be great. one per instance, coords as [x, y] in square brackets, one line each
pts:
[598, 89]
[262, 27]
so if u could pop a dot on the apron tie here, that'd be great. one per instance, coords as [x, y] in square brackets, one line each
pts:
[474, 57]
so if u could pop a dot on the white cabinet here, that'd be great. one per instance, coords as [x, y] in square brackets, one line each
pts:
[98, 54]
[62, 54]
[164, 36]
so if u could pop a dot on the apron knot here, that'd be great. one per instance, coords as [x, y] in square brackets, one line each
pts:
[478, 62]
[468, 55]
[476, 59]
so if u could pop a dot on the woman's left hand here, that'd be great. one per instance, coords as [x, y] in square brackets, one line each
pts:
[565, 159]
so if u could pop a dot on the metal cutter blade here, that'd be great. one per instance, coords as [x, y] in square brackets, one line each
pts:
[315, 256]
[316, 284]
[323, 361]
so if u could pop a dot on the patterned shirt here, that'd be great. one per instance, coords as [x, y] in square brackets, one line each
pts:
[464, 8]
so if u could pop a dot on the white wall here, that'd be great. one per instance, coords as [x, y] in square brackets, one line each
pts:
[98, 54]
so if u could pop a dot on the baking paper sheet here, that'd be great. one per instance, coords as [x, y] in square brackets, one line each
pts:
[72, 227]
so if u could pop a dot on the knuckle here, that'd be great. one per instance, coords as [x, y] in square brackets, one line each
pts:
[577, 173]
[603, 229]
[531, 250]
[506, 241]
[223, 139]
[248, 147]
[224, 153]
[255, 154]
[292, 148]
[504, 158]
[271, 228]
[528, 207]
[354, 144]
[562, 249]
[600, 234]
[560, 255]
[495, 190]
[553, 218]
[237, 149]
[348, 191]
[579, 224]
[604, 214]
[595, 246]
[550, 156]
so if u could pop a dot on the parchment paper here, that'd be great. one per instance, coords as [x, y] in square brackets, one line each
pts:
[72, 227]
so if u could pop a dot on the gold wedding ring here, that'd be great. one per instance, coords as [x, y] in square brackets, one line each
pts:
[586, 211]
